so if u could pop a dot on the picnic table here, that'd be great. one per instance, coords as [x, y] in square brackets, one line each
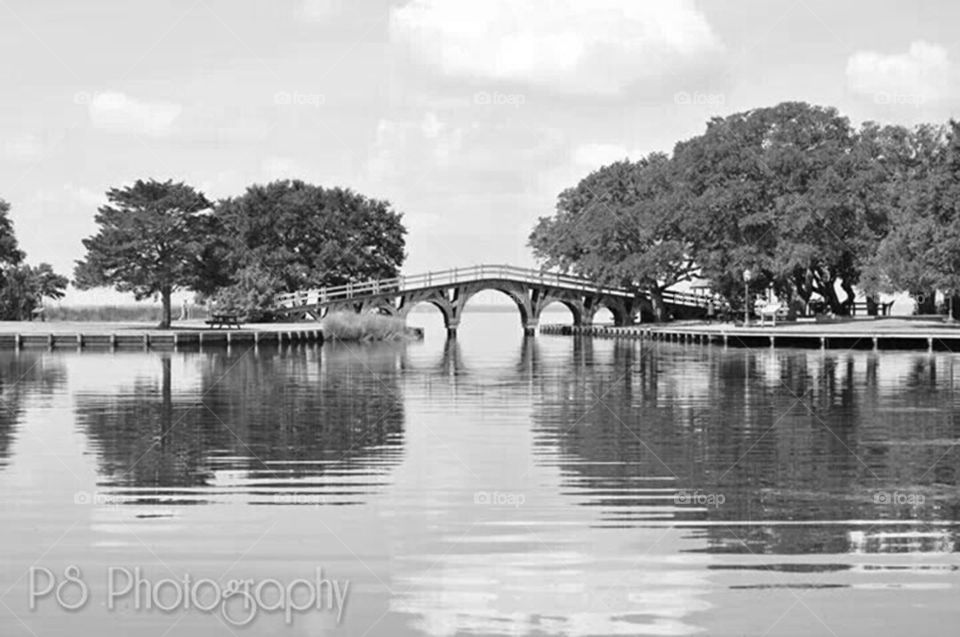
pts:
[224, 319]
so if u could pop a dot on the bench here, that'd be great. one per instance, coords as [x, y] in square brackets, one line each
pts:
[224, 320]
[860, 307]
[770, 310]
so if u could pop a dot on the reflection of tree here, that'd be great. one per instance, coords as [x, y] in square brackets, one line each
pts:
[275, 418]
[791, 439]
[22, 375]
[146, 436]
[527, 571]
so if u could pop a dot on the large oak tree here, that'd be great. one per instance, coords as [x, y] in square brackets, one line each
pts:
[773, 190]
[152, 240]
[290, 235]
[921, 251]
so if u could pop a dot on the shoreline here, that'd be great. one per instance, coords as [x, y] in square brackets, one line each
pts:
[15, 335]
[892, 333]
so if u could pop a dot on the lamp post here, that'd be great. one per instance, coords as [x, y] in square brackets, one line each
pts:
[747, 277]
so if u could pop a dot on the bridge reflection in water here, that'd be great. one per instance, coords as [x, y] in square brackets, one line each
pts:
[620, 450]
[795, 437]
[707, 477]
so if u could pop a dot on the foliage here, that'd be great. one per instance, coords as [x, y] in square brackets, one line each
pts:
[775, 191]
[157, 237]
[22, 287]
[10, 252]
[251, 295]
[304, 236]
[619, 227]
[151, 241]
[368, 326]
[922, 250]
[794, 193]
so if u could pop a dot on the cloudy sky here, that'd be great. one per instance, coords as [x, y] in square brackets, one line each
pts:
[468, 115]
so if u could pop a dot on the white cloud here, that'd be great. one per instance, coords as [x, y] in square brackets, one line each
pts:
[22, 148]
[402, 145]
[919, 75]
[120, 113]
[580, 46]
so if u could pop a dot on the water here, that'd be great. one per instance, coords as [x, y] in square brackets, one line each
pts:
[491, 486]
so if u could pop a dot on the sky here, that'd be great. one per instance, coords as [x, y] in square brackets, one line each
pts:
[469, 116]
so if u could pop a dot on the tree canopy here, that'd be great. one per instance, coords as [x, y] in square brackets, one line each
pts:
[22, 287]
[794, 193]
[289, 235]
[150, 242]
[619, 227]
[921, 252]
[157, 237]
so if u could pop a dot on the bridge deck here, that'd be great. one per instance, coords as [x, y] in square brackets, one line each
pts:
[478, 273]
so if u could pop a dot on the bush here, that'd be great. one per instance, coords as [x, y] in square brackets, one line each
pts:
[349, 326]
[251, 296]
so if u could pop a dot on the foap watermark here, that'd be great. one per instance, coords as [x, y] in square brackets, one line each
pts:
[697, 98]
[899, 99]
[499, 498]
[237, 601]
[484, 98]
[83, 98]
[96, 498]
[299, 498]
[699, 498]
[296, 98]
[898, 498]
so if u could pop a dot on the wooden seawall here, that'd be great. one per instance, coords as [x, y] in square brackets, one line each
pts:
[155, 339]
[811, 336]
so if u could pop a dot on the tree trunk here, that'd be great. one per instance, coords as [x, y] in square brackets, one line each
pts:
[847, 304]
[659, 309]
[829, 294]
[873, 305]
[165, 319]
[799, 295]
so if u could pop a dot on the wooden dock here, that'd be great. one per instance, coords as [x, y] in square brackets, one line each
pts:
[145, 339]
[863, 335]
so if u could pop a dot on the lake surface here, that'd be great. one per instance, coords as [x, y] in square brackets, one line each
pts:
[494, 485]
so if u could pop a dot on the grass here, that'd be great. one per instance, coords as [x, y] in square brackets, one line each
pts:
[143, 313]
[349, 326]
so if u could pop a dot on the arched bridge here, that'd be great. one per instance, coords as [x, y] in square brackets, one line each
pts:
[449, 291]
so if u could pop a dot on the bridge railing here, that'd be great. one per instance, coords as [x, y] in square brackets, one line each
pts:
[439, 278]
[671, 297]
[322, 296]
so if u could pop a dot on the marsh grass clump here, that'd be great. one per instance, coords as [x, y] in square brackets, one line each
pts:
[350, 326]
